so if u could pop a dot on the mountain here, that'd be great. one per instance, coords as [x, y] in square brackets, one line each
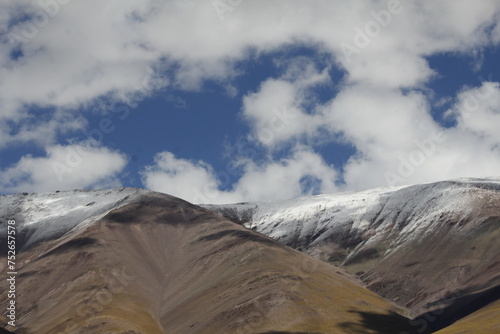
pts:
[417, 259]
[134, 261]
[433, 248]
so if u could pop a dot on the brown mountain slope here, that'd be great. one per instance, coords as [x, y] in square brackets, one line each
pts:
[161, 265]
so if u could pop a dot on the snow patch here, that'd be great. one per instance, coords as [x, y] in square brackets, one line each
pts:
[47, 216]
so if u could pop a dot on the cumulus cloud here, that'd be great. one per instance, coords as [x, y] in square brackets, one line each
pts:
[477, 111]
[276, 111]
[60, 55]
[180, 177]
[304, 172]
[64, 168]
[52, 58]
[65, 61]
[398, 142]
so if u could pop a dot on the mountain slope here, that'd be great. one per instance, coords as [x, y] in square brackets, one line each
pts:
[132, 261]
[421, 246]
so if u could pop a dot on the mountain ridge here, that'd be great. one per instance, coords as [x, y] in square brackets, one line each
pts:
[395, 239]
[431, 251]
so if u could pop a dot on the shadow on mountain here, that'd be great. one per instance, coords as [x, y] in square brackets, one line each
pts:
[392, 323]
[458, 308]
[426, 323]
[75, 244]
[274, 332]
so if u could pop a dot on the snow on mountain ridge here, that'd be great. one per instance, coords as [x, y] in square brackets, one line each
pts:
[363, 220]
[357, 219]
[46, 216]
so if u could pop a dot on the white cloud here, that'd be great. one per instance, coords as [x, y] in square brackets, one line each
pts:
[397, 141]
[68, 61]
[365, 114]
[43, 130]
[391, 69]
[276, 112]
[64, 168]
[285, 178]
[304, 172]
[478, 111]
[180, 177]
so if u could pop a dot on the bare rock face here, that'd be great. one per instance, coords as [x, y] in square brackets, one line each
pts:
[133, 261]
[433, 249]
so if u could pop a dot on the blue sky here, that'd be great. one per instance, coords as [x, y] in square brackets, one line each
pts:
[227, 101]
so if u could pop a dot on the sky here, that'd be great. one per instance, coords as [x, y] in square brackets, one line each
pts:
[236, 100]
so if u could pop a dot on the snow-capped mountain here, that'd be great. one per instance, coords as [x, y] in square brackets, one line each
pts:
[393, 237]
[135, 261]
[432, 250]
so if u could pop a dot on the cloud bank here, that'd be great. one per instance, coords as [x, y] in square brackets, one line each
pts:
[60, 57]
